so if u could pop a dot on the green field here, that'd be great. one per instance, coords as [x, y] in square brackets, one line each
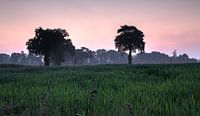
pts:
[104, 90]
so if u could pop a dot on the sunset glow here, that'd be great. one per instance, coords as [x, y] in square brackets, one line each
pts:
[167, 25]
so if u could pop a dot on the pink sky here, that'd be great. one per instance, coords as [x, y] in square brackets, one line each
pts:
[167, 25]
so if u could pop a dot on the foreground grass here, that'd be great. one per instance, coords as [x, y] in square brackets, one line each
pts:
[104, 90]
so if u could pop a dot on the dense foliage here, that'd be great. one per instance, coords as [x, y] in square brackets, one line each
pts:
[130, 39]
[104, 90]
[84, 56]
[52, 44]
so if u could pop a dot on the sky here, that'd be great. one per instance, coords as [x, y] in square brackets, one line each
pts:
[166, 24]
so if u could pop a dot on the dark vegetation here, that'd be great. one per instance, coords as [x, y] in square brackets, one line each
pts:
[101, 90]
[131, 39]
[51, 43]
[84, 56]
[53, 47]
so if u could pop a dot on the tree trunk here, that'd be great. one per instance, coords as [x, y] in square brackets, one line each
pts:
[130, 56]
[46, 59]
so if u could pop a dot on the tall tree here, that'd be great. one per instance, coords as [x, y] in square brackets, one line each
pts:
[130, 39]
[51, 43]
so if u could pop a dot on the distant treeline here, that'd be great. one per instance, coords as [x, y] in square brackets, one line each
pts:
[161, 58]
[84, 56]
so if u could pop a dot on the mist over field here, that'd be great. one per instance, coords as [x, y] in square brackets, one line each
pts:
[101, 56]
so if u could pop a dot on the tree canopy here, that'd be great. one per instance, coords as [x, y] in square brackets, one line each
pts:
[129, 38]
[52, 44]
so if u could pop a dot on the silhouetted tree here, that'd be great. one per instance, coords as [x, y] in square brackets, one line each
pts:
[88, 54]
[79, 56]
[34, 60]
[23, 58]
[4, 59]
[15, 58]
[151, 58]
[131, 39]
[101, 56]
[83, 55]
[51, 43]
[174, 53]
[116, 57]
[161, 58]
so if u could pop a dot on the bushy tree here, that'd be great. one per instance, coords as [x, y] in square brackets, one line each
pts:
[15, 58]
[83, 55]
[130, 39]
[51, 43]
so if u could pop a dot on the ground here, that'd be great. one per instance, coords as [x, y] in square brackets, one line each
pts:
[102, 90]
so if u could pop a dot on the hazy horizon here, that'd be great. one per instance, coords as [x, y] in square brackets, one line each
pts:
[167, 25]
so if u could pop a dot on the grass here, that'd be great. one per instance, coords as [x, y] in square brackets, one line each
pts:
[103, 90]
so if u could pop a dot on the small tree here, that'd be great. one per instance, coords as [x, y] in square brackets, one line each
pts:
[51, 43]
[15, 58]
[83, 55]
[131, 39]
